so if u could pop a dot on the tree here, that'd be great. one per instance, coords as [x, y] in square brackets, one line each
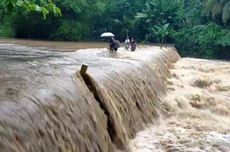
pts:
[43, 6]
[219, 8]
[118, 17]
[157, 13]
[78, 19]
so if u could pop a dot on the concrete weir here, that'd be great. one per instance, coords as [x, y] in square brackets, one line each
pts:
[47, 104]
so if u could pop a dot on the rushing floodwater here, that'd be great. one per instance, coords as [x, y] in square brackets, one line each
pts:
[47, 105]
[197, 110]
[55, 45]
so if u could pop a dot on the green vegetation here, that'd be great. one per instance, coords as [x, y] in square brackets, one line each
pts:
[198, 28]
[219, 8]
[43, 6]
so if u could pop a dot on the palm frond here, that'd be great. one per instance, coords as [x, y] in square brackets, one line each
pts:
[209, 5]
[216, 9]
[226, 12]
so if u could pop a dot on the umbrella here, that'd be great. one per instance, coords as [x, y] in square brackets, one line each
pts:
[107, 34]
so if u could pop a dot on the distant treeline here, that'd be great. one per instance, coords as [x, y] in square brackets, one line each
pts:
[198, 28]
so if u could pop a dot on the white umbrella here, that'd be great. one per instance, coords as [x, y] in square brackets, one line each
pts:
[107, 34]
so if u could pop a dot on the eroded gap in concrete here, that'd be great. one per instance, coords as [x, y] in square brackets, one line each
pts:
[110, 124]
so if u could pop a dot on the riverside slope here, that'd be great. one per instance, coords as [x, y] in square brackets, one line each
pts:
[47, 105]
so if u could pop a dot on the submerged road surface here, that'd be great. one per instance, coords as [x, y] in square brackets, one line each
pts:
[47, 105]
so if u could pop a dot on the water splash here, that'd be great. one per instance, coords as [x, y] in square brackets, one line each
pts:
[196, 111]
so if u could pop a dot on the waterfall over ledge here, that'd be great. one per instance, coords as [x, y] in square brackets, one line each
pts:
[46, 104]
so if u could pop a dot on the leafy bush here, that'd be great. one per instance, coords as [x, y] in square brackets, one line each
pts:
[6, 28]
[206, 41]
[156, 16]
[6, 31]
[71, 30]
[34, 26]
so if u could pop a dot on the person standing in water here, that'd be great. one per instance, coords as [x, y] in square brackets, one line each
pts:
[113, 44]
[127, 43]
[133, 44]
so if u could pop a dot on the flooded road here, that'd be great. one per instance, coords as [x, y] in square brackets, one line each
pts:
[196, 110]
[47, 105]
[54, 45]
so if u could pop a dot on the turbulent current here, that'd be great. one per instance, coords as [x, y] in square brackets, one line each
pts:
[197, 110]
[47, 105]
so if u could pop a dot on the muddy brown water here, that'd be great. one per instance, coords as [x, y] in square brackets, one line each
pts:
[198, 110]
[47, 105]
[54, 45]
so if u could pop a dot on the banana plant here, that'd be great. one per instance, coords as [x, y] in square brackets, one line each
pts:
[161, 31]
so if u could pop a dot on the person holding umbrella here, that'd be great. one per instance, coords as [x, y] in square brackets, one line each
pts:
[113, 43]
